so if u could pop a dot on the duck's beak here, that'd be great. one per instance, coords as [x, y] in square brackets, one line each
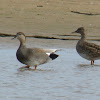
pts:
[75, 31]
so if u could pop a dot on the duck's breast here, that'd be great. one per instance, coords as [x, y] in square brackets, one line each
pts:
[82, 51]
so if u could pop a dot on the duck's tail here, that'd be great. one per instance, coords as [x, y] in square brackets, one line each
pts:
[53, 56]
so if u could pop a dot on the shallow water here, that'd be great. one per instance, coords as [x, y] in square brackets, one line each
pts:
[69, 77]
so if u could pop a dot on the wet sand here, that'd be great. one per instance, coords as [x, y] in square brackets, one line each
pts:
[52, 18]
[49, 18]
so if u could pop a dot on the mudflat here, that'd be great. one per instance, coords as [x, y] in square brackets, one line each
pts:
[50, 18]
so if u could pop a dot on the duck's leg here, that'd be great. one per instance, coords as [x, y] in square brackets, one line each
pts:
[92, 62]
[27, 66]
[35, 67]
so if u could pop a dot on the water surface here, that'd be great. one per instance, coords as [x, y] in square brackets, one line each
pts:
[69, 77]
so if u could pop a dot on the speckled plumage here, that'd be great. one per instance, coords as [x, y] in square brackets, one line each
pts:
[33, 56]
[89, 51]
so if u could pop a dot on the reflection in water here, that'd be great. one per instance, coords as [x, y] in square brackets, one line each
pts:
[85, 65]
[88, 65]
[25, 69]
[22, 69]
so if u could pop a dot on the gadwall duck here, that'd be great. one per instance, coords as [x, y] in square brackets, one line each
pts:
[89, 51]
[33, 56]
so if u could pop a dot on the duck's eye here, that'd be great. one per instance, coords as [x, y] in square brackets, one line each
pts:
[19, 34]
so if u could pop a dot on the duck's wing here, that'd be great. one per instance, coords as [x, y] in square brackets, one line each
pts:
[36, 56]
[40, 51]
[92, 49]
[92, 45]
[47, 51]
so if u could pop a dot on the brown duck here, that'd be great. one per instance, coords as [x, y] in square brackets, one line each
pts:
[89, 51]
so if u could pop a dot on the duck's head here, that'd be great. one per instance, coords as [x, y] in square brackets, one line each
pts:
[79, 30]
[20, 36]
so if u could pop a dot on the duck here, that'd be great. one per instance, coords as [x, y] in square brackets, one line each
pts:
[89, 51]
[33, 56]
